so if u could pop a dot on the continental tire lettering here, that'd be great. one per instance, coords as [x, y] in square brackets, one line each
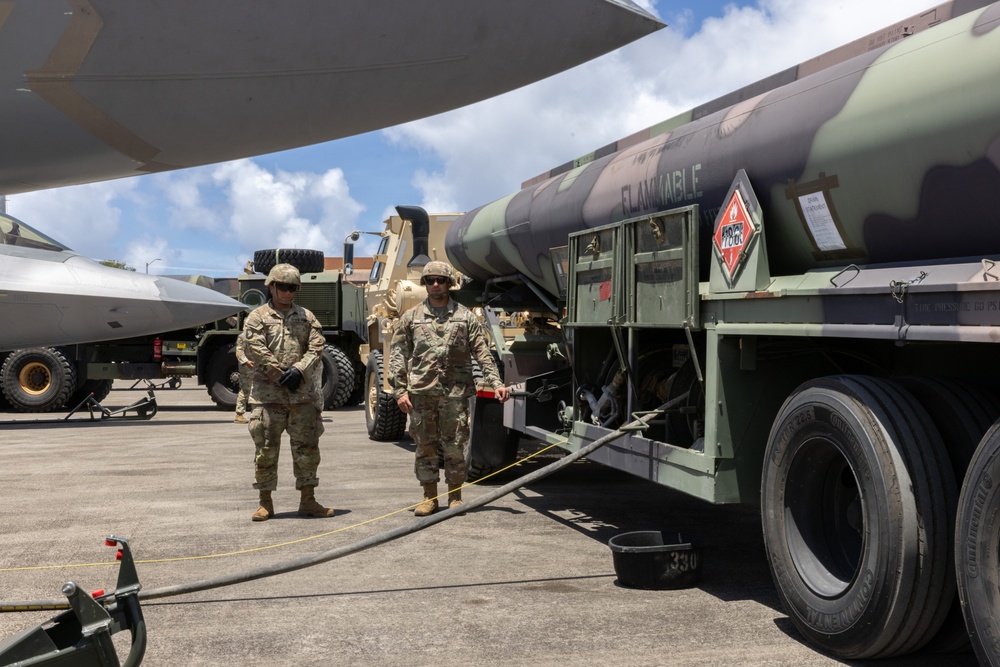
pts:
[975, 523]
[860, 464]
[990, 633]
[849, 615]
[803, 416]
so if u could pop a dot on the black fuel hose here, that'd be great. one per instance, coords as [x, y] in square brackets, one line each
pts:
[374, 540]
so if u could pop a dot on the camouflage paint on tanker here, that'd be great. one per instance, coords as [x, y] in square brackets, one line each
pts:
[892, 155]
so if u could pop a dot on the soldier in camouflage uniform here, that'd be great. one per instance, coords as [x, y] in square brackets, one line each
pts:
[285, 343]
[246, 379]
[430, 372]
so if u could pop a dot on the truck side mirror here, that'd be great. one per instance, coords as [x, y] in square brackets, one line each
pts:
[349, 252]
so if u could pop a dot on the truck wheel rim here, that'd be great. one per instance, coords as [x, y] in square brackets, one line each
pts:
[35, 378]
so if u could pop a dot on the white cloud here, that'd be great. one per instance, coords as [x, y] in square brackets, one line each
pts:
[196, 219]
[488, 149]
[282, 209]
[86, 218]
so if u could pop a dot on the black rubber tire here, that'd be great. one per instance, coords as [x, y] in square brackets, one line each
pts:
[338, 377]
[385, 421]
[962, 415]
[37, 379]
[99, 388]
[306, 261]
[977, 548]
[222, 378]
[857, 496]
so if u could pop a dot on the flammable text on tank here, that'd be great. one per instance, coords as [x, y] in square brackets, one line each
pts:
[673, 188]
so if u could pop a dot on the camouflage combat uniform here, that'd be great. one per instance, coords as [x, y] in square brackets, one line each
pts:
[431, 359]
[278, 341]
[246, 374]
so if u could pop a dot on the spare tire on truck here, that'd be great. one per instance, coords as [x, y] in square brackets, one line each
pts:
[306, 261]
[37, 379]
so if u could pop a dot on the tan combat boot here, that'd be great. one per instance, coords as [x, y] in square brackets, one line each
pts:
[430, 503]
[455, 496]
[266, 509]
[240, 418]
[308, 505]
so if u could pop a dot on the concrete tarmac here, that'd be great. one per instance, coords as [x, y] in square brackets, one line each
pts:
[525, 580]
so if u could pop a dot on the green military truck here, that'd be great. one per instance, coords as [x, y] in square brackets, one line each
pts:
[47, 379]
[799, 286]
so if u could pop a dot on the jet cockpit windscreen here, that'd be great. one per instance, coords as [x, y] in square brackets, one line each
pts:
[13, 232]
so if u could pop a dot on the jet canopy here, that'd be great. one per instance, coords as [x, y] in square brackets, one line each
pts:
[13, 232]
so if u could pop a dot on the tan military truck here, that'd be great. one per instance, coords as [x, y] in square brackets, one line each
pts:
[410, 239]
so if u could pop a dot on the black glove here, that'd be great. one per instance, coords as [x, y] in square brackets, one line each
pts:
[291, 379]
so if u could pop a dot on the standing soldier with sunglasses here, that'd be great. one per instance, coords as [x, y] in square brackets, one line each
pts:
[430, 372]
[286, 343]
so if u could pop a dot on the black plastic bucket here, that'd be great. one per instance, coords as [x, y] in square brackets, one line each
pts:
[656, 560]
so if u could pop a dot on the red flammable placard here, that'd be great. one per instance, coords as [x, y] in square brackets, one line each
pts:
[734, 233]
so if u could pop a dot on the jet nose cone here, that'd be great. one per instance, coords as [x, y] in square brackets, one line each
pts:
[190, 305]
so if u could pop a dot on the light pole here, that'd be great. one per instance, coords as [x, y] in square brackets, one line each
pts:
[150, 262]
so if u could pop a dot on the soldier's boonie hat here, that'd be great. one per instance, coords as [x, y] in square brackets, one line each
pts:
[283, 273]
[437, 268]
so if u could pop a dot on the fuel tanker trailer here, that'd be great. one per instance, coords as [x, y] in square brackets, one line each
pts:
[801, 283]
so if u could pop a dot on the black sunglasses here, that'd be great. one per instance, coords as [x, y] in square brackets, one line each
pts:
[435, 280]
[285, 287]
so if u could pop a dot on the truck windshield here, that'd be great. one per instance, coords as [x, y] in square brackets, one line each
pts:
[377, 266]
[16, 233]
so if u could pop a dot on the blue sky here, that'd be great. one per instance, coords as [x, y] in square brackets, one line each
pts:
[209, 220]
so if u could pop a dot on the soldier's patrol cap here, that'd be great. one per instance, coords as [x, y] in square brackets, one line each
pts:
[438, 268]
[283, 273]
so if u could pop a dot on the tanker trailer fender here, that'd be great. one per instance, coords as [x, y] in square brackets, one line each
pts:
[492, 446]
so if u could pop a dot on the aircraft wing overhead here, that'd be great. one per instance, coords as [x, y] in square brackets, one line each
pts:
[98, 89]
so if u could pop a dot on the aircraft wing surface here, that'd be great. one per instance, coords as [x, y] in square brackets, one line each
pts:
[99, 89]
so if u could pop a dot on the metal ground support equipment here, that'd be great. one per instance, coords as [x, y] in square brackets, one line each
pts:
[169, 383]
[144, 408]
[81, 636]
